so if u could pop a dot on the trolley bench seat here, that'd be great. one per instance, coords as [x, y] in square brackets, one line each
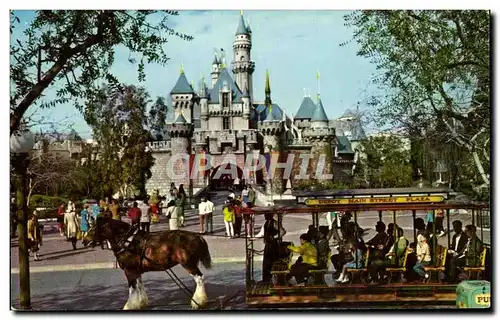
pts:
[325, 271]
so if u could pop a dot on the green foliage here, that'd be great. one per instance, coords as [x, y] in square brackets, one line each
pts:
[434, 70]
[157, 118]
[119, 124]
[38, 200]
[75, 49]
[320, 185]
[384, 163]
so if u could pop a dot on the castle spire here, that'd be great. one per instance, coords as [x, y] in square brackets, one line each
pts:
[242, 29]
[317, 78]
[268, 90]
[182, 68]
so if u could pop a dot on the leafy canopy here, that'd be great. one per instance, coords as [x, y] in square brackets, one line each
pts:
[75, 49]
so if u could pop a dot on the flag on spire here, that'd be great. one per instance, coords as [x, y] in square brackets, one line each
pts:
[317, 74]
[182, 68]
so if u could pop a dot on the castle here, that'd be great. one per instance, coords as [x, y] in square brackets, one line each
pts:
[224, 117]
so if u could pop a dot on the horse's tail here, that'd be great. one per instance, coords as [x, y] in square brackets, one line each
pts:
[205, 254]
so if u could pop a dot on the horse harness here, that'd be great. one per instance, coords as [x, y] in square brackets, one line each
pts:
[134, 242]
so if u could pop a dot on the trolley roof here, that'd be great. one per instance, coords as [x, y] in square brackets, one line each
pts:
[365, 207]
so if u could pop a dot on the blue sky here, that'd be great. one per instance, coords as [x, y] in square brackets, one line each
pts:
[291, 44]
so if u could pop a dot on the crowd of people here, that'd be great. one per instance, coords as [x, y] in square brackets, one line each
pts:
[388, 249]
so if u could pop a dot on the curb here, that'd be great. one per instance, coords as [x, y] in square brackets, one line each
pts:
[110, 265]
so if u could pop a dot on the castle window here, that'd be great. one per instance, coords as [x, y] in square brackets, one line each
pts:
[225, 123]
[225, 100]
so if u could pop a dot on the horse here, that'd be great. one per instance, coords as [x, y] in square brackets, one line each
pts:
[153, 252]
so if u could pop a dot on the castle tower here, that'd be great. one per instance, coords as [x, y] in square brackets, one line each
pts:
[180, 132]
[322, 138]
[272, 129]
[183, 97]
[215, 69]
[203, 105]
[242, 65]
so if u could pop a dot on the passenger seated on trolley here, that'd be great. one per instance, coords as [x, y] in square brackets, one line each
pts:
[271, 245]
[431, 239]
[323, 246]
[419, 225]
[344, 250]
[423, 256]
[306, 261]
[312, 233]
[471, 255]
[378, 241]
[357, 251]
[377, 266]
[456, 249]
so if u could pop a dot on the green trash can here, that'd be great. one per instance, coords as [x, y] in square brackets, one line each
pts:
[473, 294]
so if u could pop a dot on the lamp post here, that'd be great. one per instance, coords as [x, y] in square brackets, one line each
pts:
[20, 145]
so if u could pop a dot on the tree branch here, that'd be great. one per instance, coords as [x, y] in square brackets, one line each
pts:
[66, 53]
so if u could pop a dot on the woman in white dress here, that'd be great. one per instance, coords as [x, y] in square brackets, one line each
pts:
[71, 224]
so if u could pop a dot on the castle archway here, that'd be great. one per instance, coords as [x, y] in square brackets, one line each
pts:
[226, 175]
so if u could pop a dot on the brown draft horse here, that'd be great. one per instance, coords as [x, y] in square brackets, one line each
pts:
[154, 252]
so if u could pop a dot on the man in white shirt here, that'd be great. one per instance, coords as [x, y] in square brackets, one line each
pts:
[202, 211]
[209, 211]
[145, 214]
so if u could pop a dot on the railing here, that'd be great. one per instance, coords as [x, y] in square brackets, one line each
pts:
[159, 145]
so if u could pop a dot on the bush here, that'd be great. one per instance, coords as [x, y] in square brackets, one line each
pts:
[49, 203]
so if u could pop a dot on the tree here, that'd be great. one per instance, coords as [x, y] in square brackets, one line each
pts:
[383, 163]
[120, 128]
[76, 49]
[46, 171]
[434, 67]
[157, 118]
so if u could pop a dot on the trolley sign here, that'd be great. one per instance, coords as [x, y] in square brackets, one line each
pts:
[367, 200]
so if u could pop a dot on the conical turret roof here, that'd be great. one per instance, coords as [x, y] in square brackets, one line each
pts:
[319, 112]
[242, 29]
[182, 85]
[180, 119]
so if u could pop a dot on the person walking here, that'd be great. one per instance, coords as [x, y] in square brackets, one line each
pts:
[134, 214]
[181, 201]
[228, 212]
[115, 210]
[238, 217]
[145, 215]
[202, 212]
[71, 224]
[251, 196]
[34, 235]
[171, 213]
[60, 218]
[209, 208]
[84, 220]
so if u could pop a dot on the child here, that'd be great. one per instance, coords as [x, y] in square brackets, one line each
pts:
[423, 256]
[229, 219]
[357, 256]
